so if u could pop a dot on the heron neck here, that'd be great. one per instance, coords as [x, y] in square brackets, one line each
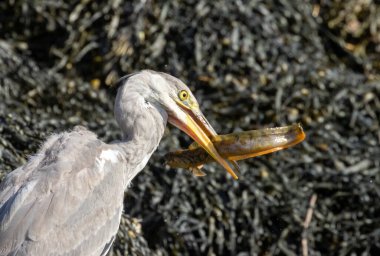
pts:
[143, 139]
[142, 123]
[143, 128]
[137, 147]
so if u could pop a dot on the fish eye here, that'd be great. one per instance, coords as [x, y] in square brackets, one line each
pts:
[183, 95]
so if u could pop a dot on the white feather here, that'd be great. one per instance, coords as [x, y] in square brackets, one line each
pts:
[107, 155]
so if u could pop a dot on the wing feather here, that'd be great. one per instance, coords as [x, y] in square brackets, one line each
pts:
[61, 202]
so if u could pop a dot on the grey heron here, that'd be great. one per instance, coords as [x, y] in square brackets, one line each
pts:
[68, 198]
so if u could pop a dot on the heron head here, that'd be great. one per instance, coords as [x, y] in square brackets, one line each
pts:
[182, 108]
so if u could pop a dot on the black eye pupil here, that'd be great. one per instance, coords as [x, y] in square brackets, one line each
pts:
[183, 95]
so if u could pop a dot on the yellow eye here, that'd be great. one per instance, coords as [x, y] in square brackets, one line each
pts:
[183, 95]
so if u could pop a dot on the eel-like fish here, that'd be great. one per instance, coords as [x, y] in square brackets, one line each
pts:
[237, 146]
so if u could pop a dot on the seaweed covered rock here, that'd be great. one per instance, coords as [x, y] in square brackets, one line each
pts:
[251, 64]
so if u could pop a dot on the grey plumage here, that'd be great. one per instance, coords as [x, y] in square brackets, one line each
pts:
[68, 198]
[48, 204]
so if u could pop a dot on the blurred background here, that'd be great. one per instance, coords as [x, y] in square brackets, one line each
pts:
[251, 64]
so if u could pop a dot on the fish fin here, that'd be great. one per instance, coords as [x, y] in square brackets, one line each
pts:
[196, 171]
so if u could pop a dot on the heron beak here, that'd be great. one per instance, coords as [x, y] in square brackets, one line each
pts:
[200, 130]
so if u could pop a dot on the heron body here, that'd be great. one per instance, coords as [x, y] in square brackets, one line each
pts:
[68, 198]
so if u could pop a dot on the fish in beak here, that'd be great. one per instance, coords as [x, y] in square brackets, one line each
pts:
[193, 123]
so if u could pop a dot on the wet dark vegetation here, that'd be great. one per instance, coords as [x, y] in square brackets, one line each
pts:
[251, 64]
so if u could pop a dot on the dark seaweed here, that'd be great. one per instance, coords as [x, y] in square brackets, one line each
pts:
[251, 64]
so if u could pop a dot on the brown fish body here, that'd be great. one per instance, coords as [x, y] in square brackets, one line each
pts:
[239, 146]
